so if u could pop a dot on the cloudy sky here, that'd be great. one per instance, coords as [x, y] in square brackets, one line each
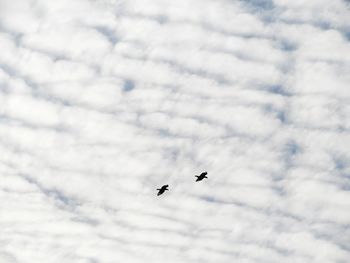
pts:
[103, 101]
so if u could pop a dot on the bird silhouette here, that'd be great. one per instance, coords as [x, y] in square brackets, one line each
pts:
[163, 189]
[201, 176]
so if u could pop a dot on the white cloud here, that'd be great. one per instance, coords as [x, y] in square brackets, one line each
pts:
[102, 102]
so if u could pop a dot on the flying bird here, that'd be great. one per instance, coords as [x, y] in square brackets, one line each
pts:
[163, 189]
[201, 176]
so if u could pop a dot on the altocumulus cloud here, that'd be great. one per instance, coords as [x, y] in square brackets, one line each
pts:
[102, 102]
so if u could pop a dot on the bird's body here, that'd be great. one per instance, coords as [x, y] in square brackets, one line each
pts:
[163, 189]
[201, 176]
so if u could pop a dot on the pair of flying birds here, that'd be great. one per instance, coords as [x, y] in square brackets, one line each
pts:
[165, 187]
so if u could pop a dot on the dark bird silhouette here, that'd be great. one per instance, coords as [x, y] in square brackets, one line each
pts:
[163, 189]
[201, 176]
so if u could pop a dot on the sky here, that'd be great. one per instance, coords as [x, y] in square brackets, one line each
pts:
[104, 101]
